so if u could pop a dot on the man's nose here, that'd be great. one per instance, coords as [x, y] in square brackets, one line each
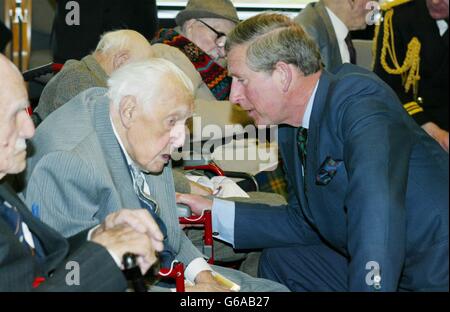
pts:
[178, 135]
[27, 128]
[235, 92]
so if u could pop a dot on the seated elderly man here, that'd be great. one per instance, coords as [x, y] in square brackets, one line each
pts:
[201, 36]
[109, 149]
[114, 50]
[35, 257]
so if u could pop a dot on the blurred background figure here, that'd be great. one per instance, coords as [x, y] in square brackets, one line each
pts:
[5, 36]
[96, 18]
[329, 23]
[412, 57]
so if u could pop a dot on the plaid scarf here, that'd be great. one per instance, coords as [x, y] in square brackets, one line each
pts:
[213, 75]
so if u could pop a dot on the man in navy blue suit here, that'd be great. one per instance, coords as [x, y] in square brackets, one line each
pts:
[368, 206]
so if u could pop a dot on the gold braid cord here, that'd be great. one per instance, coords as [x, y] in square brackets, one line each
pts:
[411, 65]
[410, 69]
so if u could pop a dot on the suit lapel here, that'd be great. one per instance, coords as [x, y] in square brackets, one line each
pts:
[333, 45]
[313, 145]
[114, 158]
[55, 246]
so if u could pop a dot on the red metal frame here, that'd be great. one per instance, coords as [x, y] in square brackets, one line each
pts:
[212, 166]
[206, 221]
[177, 274]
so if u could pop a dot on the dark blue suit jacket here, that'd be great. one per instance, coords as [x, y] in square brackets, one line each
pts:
[18, 269]
[388, 201]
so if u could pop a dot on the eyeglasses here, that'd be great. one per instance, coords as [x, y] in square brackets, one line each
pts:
[221, 37]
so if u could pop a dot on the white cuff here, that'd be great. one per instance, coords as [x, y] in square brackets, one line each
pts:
[194, 268]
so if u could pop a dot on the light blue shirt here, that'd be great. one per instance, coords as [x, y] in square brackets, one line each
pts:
[223, 211]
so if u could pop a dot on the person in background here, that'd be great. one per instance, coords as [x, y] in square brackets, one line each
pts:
[329, 23]
[96, 18]
[411, 56]
[5, 37]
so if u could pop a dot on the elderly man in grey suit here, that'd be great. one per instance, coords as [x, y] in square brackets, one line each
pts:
[35, 257]
[329, 23]
[110, 149]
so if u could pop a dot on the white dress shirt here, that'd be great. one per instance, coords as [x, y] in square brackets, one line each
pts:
[443, 26]
[341, 31]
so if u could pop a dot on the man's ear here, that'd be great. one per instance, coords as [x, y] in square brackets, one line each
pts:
[283, 76]
[127, 110]
[120, 59]
[188, 28]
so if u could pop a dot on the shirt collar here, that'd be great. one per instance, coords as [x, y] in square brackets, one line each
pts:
[309, 107]
[339, 27]
[442, 25]
[130, 162]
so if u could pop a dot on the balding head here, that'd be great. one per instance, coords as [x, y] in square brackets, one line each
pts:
[117, 48]
[15, 124]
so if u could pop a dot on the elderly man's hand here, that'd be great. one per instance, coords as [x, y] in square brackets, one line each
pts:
[197, 203]
[124, 239]
[440, 135]
[138, 219]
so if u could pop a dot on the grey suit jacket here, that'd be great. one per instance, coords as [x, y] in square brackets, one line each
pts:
[317, 23]
[78, 174]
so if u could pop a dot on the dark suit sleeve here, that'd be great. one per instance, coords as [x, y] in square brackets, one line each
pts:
[395, 81]
[264, 226]
[97, 272]
[376, 154]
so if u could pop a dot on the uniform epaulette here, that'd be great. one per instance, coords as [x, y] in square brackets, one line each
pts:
[387, 5]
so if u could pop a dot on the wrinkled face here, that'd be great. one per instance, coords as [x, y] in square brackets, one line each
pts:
[15, 124]
[206, 39]
[159, 129]
[358, 14]
[255, 92]
[438, 8]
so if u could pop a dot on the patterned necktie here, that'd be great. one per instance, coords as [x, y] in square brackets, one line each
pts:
[351, 48]
[138, 184]
[13, 218]
[167, 255]
[302, 141]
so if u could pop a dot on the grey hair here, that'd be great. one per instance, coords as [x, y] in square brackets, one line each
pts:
[273, 37]
[144, 80]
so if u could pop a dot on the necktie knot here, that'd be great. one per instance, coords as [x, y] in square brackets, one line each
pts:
[139, 188]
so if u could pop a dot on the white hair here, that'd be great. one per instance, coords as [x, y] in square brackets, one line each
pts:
[144, 80]
[117, 40]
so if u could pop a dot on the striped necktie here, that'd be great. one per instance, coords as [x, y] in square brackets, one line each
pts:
[302, 141]
[138, 184]
[167, 255]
